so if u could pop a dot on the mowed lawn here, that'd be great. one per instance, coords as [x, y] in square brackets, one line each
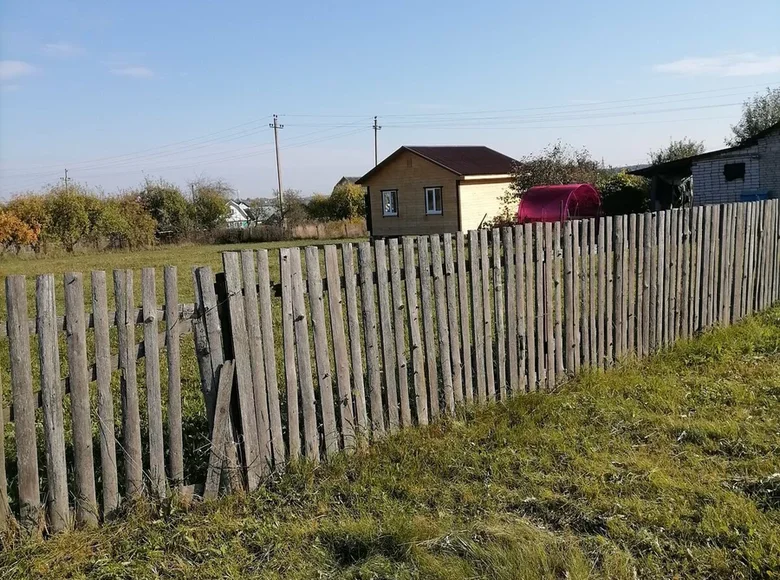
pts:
[665, 468]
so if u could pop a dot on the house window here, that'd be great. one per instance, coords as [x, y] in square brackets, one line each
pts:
[734, 171]
[433, 200]
[390, 202]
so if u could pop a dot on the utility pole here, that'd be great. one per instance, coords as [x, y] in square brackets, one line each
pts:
[66, 182]
[276, 126]
[376, 130]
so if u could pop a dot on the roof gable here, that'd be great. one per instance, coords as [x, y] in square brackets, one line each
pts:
[460, 160]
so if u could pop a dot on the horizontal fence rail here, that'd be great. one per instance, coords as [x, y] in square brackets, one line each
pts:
[353, 343]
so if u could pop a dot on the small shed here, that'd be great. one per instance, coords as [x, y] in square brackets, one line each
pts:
[554, 203]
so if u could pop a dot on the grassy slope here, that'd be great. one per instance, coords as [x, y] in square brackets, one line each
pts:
[652, 470]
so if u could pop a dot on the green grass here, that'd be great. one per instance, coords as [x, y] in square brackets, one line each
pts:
[658, 469]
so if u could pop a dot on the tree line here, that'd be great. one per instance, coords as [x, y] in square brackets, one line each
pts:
[74, 216]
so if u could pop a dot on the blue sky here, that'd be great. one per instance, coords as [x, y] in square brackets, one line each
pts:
[117, 90]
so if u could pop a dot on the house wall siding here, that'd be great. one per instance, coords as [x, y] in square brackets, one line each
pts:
[769, 172]
[762, 173]
[481, 200]
[410, 174]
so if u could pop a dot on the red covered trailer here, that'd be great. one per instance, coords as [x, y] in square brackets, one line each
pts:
[554, 203]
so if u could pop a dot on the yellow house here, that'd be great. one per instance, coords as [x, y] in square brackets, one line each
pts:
[433, 190]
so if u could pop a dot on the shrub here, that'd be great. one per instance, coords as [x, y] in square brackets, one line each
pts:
[622, 193]
[210, 203]
[14, 233]
[167, 205]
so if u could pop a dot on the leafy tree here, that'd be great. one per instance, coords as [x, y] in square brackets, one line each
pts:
[622, 193]
[210, 203]
[14, 233]
[557, 164]
[758, 114]
[294, 209]
[30, 208]
[125, 223]
[260, 209]
[168, 207]
[320, 207]
[73, 215]
[348, 202]
[677, 149]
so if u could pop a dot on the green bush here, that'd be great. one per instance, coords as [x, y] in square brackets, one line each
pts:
[622, 193]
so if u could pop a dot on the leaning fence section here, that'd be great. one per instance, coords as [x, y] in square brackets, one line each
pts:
[351, 344]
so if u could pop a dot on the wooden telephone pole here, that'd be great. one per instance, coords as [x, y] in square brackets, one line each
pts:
[376, 130]
[276, 126]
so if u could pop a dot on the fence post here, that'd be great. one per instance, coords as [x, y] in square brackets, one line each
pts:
[51, 394]
[173, 351]
[76, 337]
[5, 510]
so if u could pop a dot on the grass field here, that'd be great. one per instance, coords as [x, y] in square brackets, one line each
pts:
[184, 257]
[657, 469]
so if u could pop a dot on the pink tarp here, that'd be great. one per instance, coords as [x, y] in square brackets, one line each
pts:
[553, 203]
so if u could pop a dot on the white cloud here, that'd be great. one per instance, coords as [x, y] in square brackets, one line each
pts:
[728, 65]
[62, 49]
[138, 72]
[14, 69]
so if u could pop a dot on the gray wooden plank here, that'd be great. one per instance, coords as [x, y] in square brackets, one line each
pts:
[593, 290]
[522, 310]
[321, 351]
[560, 369]
[647, 264]
[541, 361]
[631, 297]
[415, 337]
[255, 466]
[173, 356]
[584, 347]
[53, 425]
[290, 364]
[576, 277]
[153, 389]
[371, 337]
[685, 269]
[620, 258]
[568, 295]
[303, 352]
[477, 315]
[340, 351]
[355, 344]
[388, 337]
[609, 323]
[696, 256]
[661, 295]
[105, 399]
[465, 330]
[549, 300]
[399, 319]
[81, 419]
[256, 362]
[453, 321]
[511, 309]
[601, 322]
[429, 333]
[269, 356]
[202, 354]
[440, 299]
[131, 417]
[487, 314]
[498, 293]
[706, 266]
[221, 436]
[739, 255]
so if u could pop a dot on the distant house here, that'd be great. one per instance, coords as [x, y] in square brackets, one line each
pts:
[239, 214]
[432, 190]
[747, 172]
[345, 181]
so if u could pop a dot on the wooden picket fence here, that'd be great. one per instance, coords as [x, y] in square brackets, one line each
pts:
[402, 331]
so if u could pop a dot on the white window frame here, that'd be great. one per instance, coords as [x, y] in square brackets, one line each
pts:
[433, 210]
[385, 212]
